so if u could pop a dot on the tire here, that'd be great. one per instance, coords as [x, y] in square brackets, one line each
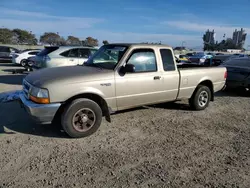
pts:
[82, 112]
[30, 63]
[196, 102]
[23, 63]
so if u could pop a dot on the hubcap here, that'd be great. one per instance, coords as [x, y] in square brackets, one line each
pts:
[203, 98]
[83, 120]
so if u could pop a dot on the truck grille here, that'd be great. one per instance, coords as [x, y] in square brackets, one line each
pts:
[26, 88]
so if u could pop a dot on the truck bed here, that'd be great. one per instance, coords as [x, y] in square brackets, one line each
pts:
[191, 76]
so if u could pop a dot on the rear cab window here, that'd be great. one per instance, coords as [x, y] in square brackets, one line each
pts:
[167, 60]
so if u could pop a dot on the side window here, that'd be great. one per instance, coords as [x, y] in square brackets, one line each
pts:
[4, 49]
[83, 53]
[33, 53]
[92, 51]
[144, 60]
[73, 53]
[65, 54]
[167, 60]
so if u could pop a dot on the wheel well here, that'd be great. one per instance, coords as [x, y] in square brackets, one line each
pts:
[99, 100]
[209, 84]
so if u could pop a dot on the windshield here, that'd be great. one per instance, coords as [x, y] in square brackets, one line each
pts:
[107, 56]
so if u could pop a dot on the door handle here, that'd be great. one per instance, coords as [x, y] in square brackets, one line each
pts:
[71, 59]
[157, 78]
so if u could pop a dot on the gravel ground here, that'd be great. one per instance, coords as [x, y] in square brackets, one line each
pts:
[164, 145]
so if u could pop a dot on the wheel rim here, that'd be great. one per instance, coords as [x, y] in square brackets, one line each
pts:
[83, 120]
[23, 63]
[203, 98]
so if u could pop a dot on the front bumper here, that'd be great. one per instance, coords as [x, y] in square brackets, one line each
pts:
[41, 113]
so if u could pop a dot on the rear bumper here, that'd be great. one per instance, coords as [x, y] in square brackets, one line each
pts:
[41, 113]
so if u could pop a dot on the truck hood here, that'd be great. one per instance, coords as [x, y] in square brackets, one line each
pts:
[67, 75]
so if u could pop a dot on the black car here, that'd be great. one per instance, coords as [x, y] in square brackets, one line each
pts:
[6, 53]
[238, 73]
[190, 54]
[219, 53]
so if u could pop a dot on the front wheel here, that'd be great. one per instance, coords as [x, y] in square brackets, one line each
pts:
[81, 118]
[201, 98]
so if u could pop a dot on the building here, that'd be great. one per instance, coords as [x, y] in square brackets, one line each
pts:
[234, 50]
[209, 37]
[239, 38]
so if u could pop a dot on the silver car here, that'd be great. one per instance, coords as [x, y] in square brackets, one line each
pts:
[57, 56]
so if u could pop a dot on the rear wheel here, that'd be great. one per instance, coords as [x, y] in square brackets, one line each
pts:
[23, 62]
[81, 118]
[201, 98]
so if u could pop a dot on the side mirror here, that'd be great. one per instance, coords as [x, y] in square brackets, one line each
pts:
[129, 68]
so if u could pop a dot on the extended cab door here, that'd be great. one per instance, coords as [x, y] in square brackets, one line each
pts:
[144, 85]
[170, 75]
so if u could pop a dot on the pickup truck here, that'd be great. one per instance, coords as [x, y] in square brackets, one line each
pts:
[116, 77]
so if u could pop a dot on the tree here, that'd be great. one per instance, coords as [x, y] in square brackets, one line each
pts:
[5, 36]
[23, 37]
[74, 41]
[91, 41]
[61, 42]
[51, 38]
[105, 42]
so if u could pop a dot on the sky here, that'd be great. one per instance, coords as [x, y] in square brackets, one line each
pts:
[173, 22]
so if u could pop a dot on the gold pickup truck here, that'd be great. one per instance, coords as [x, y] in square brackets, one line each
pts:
[116, 77]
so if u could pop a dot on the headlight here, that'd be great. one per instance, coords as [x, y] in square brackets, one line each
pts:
[39, 95]
[202, 60]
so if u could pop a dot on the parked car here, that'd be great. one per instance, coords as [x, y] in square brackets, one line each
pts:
[182, 57]
[211, 53]
[140, 74]
[190, 54]
[30, 61]
[57, 56]
[21, 58]
[200, 58]
[6, 52]
[238, 70]
[219, 53]
[236, 56]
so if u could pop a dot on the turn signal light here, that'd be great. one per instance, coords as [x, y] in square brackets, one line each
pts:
[39, 100]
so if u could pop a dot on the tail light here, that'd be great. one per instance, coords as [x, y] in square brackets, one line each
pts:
[225, 75]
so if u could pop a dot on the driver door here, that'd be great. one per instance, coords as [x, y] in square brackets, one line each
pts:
[141, 87]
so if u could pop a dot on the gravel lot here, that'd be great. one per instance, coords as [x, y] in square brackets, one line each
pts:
[164, 145]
